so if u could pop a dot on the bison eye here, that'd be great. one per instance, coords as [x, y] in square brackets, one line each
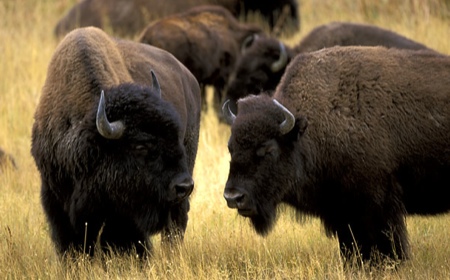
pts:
[140, 150]
[140, 147]
[145, 152]
[261, 152]
[269, 148]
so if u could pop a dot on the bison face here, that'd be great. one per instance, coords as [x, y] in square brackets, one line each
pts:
[144, 169]
[263, 162]
[258, 70]
[248, 189]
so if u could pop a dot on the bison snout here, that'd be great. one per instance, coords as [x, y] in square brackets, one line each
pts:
[235, 198]
[181, 187]
[241, 200]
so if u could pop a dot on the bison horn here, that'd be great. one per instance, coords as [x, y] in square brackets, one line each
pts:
[108, 130]
[155, 84]
[229, 116]
[282, 60]
[289, 119]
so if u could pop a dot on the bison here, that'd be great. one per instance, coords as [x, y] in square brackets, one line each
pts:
[129, 17]
[115, 138]
[264, 62]
[206, 39]
[356, 136]
[6, 160]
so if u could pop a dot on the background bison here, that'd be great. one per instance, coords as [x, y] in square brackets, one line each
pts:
[6, 159]
[264, 62]
[361, 140]
[207, 40]
[129, 17]
[115, 148]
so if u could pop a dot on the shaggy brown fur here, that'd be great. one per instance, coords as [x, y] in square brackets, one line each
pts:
[253, 73]
[353, 34]
[370, 144]
[207, 40]
[125, 188]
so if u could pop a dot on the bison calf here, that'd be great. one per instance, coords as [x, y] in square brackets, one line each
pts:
[263, 64]
[357, 136]
[115, 143]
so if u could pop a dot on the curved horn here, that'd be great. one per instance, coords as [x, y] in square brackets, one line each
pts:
[248, 41]
[226, 111]
[289, 119]
[108, 130]
[282, 60]
[155, 84]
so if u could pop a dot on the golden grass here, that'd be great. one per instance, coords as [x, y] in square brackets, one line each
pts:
[218, 244]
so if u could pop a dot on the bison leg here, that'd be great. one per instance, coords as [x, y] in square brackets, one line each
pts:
[370, 226]
[62, 233]
[100, 227]
[204, 103]
[121, 234]
[374, 236]
[173, 231]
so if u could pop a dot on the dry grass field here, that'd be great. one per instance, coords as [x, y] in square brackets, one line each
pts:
[218, 243]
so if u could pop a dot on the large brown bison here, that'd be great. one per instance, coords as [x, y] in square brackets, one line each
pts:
[115, 139]
[207, 40]
[263, 64]
[357, 136]
[129, 17]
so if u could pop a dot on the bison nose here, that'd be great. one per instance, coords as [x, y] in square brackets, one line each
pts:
[234, 198]
[182, 187]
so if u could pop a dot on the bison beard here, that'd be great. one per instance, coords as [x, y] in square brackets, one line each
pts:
[264, 221]
[261, 211]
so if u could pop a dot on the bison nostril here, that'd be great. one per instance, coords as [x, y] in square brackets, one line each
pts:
[234, 198]
[184, 189]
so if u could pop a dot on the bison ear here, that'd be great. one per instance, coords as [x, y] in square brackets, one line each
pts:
[301, 123]
[270, 147]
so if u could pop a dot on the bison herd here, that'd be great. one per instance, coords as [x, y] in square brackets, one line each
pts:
[350, 125]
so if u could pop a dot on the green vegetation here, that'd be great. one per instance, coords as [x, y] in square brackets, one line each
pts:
[218, 243]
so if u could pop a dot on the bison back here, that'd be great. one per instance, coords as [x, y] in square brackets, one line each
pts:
[378, 109]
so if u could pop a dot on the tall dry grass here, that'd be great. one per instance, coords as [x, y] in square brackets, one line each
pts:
[219, 244]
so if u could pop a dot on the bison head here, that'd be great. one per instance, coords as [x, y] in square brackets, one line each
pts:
[259, 69]
[263, 165]
[134, 152]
